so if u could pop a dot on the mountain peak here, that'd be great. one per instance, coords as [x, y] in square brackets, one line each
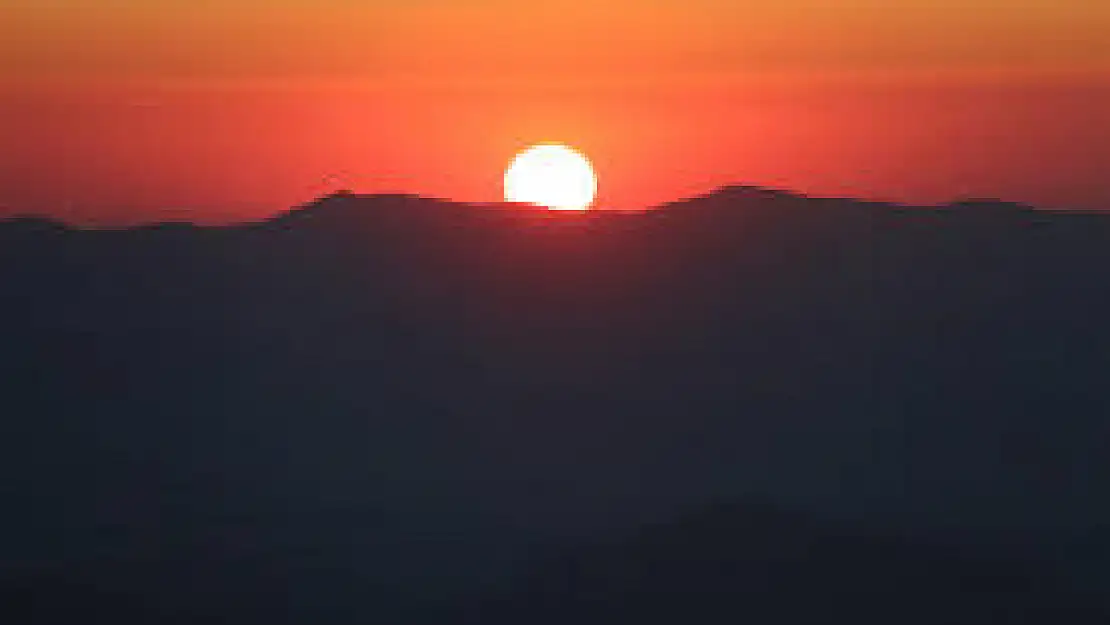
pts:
[341, 204]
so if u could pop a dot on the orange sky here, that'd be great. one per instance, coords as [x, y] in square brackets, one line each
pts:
[114, 111]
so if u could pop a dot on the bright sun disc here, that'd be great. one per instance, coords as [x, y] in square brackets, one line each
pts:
[551, 175]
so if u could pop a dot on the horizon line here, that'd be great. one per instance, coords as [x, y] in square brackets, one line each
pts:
[760, 191]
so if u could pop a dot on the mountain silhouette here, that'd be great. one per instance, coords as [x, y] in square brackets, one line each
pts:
[379, 408]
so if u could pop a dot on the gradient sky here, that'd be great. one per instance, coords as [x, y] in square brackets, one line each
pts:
[115, 111]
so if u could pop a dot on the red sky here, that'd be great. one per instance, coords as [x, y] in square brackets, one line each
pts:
[116, 112]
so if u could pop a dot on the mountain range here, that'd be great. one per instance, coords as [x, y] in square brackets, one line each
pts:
[398, 409]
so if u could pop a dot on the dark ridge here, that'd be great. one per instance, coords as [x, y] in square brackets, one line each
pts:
[32, 225]
[334, 205]
[990, 206]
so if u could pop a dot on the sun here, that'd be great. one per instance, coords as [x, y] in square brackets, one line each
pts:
[551, 175]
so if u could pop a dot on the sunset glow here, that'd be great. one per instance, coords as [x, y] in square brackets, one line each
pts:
[126, 111]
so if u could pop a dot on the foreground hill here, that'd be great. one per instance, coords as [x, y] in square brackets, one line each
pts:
[747, 561]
